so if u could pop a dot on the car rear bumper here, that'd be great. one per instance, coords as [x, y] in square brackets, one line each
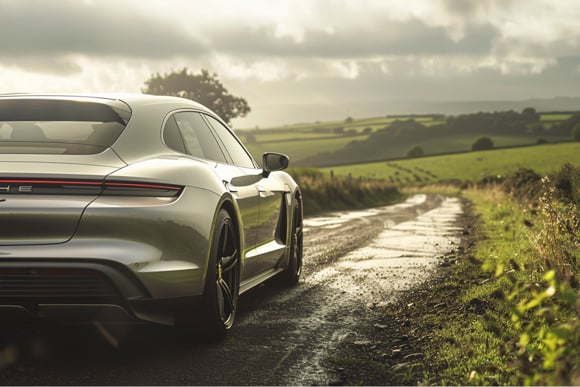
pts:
[81, 291]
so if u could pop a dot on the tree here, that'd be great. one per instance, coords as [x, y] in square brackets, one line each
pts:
[415, 151]
[576, 133]
[204, 88]
[482, 143]
[564, 128]
[537, 129]
[530, 115]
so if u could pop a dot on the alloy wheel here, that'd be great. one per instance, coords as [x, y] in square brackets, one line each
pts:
[227, 274]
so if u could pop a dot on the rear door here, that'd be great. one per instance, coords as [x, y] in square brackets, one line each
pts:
[199, 141]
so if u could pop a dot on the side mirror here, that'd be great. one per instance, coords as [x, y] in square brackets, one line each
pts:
[274, 162]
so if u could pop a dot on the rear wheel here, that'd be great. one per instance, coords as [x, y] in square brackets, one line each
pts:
[222, 285]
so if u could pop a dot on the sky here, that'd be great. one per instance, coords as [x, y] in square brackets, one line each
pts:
[298, 60]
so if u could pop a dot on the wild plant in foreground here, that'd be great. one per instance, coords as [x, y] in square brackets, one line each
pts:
[546, 313]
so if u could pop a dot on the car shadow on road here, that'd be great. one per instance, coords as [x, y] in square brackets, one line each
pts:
[97, 344]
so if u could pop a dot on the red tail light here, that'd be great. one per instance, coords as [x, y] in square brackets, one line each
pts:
[140, 189]
[86, 187]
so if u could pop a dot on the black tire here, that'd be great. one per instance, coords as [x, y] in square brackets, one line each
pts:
[222, 285]
[291, 275]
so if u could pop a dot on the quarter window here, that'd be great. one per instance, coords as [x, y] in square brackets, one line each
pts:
[172, 137]
[197, 137]
[234, 148]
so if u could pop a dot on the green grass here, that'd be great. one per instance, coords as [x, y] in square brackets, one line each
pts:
[323, 193]
[464, 142]
[507, 327]
[554, 117]
[466, 166]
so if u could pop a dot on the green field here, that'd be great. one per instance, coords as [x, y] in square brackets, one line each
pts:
[554, 117]
[298, 150]
[303, 142]
[360, 123]
[466, 166]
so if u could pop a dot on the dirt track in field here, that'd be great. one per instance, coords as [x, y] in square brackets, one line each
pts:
[356, 265]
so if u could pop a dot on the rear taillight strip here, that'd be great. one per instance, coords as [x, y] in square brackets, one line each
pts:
[140, 189]
[63, 182]
[86, 187]
[142, 185]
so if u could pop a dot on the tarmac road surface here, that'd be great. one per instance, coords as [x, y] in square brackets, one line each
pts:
[356, 263]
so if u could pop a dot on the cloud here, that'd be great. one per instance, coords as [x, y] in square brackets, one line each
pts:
[49, 65]
[386, 37]
[286, 52]
[60, 28]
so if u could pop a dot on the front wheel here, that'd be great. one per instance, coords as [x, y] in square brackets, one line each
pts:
[291, 275]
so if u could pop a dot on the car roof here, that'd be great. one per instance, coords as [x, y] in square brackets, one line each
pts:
[145, 111]
[133, 100]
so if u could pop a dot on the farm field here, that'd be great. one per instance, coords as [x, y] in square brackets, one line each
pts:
[554, 117]
[305, 142]
[470, 166]
[299, 150]
[357, 124]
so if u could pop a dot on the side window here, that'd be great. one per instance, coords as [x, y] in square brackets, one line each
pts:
[171, 136]
[232, 145]
[197, 136]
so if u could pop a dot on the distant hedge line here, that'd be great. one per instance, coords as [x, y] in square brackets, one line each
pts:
[323, 193]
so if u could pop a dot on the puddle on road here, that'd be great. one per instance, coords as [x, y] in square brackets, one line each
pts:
[408, 251]
[336, 219]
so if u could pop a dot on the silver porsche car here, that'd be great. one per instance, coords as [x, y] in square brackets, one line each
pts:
[137, 208]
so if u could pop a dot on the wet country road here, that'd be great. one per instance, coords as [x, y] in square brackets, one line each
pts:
[355, 264]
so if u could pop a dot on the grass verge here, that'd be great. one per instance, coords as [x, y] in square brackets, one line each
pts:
[514, 315]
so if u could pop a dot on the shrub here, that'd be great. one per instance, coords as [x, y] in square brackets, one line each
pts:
[482, 143]
[576, 132]
[415, 151]
[330, 193]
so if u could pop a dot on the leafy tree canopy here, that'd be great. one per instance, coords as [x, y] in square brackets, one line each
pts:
[482, 143]
[204, 88]
[415, 151]
[530, 114]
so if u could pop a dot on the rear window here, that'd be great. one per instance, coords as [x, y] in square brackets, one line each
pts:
[50, 126]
